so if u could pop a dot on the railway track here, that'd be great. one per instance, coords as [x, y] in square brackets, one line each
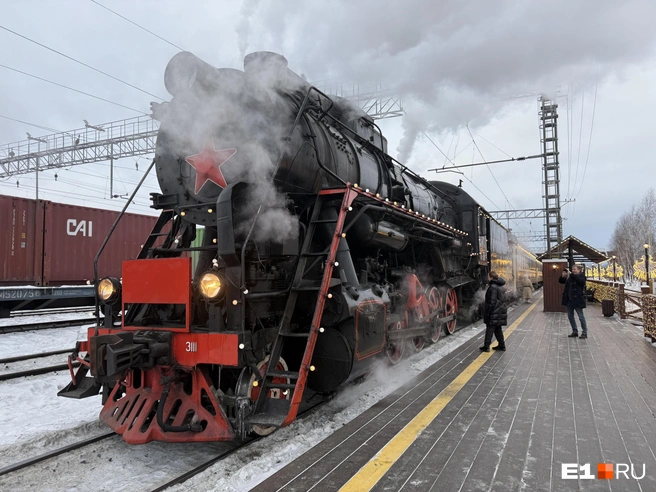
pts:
[51, 454]
[42, 312]
[45, 325]
[205, 465]
[175, 481]
[19, 358]
[215, 459]
[36, 371]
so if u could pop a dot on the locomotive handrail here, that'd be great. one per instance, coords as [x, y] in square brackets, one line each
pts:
[195, 205]
[104, 243]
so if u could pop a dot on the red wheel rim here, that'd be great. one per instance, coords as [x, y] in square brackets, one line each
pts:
[395, 349]
[451, 308]
[418, 343]
[435, 304]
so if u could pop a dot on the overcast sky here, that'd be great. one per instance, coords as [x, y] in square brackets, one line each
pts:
[457, 63]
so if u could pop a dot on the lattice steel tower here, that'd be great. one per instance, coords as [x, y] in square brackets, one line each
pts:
[551, 167]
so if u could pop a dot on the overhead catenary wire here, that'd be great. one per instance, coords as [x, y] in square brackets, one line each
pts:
[578, 156]
[489, 168]
[72, 89]
[472, 183]
[41, 127]
[139, 26]
[587, 156]
[487, 163]
[85, 184]
[486, 140]
[95, 175]
[456, 167]
[81, 63]
[79, 196]
[95, 187]
[70, 178]
[569, 153]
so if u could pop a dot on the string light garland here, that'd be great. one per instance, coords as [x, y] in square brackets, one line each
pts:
[639, 269]
[603, 292]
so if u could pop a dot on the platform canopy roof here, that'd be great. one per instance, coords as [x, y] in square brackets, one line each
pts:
[577, 250]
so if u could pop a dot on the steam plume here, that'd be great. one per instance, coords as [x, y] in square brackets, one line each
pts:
[456, 60]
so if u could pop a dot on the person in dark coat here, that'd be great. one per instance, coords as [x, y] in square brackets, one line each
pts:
[495, 314]
[574, 299]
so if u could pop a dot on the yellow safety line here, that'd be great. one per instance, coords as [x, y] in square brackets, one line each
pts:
[374, 470]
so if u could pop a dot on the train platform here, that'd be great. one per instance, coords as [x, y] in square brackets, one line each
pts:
[505, 421]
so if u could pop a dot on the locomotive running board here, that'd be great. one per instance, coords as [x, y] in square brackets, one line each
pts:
[280, 412]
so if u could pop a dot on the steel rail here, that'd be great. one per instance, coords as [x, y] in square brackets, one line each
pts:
[45, 325]
[51, 454]
[215, 459]
[35, 356]
[36, 372]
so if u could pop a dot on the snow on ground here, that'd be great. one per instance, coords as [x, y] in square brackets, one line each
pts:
[33, 420]
[253, 464]
[111, 465]
[32, 411]
[32, 416]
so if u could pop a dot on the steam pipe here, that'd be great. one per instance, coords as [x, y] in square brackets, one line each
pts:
[107, 237]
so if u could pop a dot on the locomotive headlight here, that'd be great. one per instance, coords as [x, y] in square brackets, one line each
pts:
[210, 286]
[109, 289]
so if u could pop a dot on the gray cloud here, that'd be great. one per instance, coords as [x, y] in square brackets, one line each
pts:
[458, 59]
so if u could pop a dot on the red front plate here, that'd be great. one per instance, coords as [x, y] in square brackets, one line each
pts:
[158, 281]
[190, 349]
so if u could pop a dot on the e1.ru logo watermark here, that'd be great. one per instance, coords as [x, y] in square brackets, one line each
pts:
[605, 471]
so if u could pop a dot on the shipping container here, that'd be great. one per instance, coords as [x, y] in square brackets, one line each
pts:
[21, 241]
[49, 243]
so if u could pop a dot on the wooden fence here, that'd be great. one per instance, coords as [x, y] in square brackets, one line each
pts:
[626, 302]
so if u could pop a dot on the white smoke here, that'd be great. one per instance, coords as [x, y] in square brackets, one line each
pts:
[240, 110]
[456, 61]
[477, 302]
[243, 28]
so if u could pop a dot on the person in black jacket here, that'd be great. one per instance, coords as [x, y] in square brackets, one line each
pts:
[574, 299]
[495, 314]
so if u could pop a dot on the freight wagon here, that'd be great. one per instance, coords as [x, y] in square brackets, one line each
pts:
[47, 244]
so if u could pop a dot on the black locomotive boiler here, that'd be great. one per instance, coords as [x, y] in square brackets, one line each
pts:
[321, 255]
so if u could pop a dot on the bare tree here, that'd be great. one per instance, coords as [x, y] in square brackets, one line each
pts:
[633, 229]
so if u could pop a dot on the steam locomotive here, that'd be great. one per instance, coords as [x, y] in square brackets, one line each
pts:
[321, 256]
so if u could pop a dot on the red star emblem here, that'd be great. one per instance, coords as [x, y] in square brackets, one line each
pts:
[207, 164]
